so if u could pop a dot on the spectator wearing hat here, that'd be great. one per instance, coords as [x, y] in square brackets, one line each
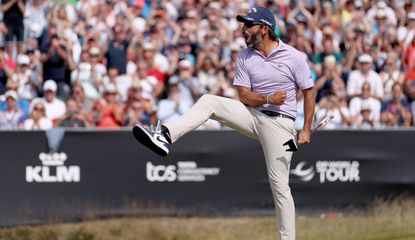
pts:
[188, 86]
[391, 74]
[122, 83]
[381, 24]
[328, 49]
[357, 102]
[330, 76]
[388, 12]
[55, 108]
[363, 74]
[364, 120]
[138, 112]
[37, 119]
[137, 93]
[12, 116]
[108, 112]
[27, 87]
[13, 15]
[149, 84]
[134, 92]
[158, 63]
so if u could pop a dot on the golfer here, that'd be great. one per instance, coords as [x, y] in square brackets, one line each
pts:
[269, 74]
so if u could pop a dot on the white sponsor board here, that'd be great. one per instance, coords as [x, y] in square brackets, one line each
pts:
[182, 172]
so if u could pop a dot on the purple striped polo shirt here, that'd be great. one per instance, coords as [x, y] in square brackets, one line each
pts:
[285, 69]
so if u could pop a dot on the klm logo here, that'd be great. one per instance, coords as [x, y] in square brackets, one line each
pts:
[53, 170]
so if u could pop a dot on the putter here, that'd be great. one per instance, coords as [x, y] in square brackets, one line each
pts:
[292, 146]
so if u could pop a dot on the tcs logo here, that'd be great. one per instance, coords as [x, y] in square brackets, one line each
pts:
[161, 173]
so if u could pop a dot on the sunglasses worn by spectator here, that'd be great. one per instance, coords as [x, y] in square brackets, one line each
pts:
[39, 109]
[250, 24]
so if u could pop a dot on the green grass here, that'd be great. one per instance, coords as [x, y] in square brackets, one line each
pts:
[393, 220]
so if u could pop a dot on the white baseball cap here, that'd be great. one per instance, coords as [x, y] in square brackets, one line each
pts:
[365, 58]
[94, 51]
[11, 93]
[110, 88]
[185, 63]
[235, 47]
[411, 16]
[148, 46]
[381, 13]
[365, 106]
[50, 85]
[330, 60]
[23, 59]
[214, 5]
[381, 4]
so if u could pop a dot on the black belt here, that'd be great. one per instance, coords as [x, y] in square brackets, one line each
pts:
[276, 114]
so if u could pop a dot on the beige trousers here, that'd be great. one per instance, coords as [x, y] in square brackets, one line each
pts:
[271, 132]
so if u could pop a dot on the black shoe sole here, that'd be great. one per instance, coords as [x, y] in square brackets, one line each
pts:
[142, 137]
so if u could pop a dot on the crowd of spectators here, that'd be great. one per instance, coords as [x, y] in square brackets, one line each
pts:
[114, 63]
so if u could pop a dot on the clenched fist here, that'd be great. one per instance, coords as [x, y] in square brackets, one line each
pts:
[278, 98]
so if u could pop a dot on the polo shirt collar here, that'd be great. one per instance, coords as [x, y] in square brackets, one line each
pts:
[281, 47]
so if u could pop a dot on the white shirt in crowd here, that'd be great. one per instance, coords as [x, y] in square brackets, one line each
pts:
[375, 107]
[356, 80]
[54, 110]
[42, 124]
[167, 110]
[161, 62]
[336, 122]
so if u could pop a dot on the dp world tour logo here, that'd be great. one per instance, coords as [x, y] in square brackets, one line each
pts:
[53, 169]
[305, 174]
[253, 10]
[328, 171]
